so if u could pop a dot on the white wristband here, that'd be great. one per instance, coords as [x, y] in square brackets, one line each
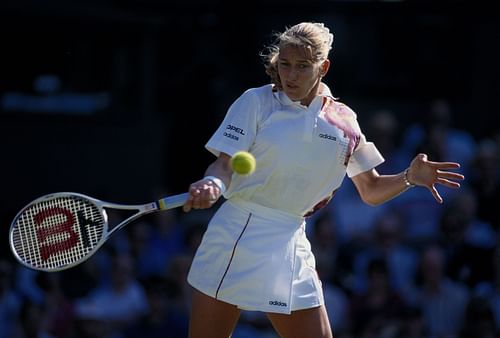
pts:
[217, 181]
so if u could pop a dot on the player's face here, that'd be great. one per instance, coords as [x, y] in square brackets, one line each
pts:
[300, 76]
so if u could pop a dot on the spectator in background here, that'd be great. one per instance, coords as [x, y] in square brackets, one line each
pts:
[412, 324]
[478, 233]
[139, 237]
[468, 243]
[420, 216]
[492, 291]
[325, 247]
[485, 180]
[331, 267]
[32, 321]
[159, 321]
[78, 281]
[122, 301]
[25, 284]
[437, 136]
[385, 130]
[479, 321]
[10, 302]
[90, 323]
[388, 245]
[58, 309]
[175, 272]
[442, 300]
[355, 219]
[379, 307]
[192, 237]
[162, 239]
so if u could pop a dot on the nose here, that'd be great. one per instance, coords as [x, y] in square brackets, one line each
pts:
[294, 74]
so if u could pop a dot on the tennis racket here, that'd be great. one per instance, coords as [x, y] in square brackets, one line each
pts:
[58, 231]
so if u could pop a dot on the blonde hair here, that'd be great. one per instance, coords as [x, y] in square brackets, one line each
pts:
[313, 37]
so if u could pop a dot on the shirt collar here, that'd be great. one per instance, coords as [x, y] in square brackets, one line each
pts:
[285, 100]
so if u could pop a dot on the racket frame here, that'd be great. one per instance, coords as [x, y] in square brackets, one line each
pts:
[166, 203]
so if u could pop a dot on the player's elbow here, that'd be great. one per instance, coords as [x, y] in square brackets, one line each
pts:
[372, 201]
[369, 196]
[367, 184]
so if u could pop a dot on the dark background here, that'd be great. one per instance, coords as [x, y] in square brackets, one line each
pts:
[170, 70]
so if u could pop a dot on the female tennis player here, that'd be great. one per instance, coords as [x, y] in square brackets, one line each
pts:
[255, 254]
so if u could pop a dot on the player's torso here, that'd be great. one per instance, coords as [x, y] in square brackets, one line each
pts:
[302, 156]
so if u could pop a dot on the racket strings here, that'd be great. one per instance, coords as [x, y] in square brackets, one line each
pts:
[57, 232]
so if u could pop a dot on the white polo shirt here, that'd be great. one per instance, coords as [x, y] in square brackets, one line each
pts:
[302, 153]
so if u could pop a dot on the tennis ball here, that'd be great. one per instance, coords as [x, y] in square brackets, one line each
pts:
[243, 163]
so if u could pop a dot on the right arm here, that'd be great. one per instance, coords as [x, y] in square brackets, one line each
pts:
[242, 115]
[205, 192]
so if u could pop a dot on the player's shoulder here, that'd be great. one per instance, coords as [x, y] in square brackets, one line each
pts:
[260, 96]
[262, 92]
[343, 109]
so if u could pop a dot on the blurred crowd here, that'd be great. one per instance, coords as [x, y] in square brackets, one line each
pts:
[411, 268]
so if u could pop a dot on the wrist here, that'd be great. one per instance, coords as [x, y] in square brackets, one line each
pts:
[406, 180]
[218, 182]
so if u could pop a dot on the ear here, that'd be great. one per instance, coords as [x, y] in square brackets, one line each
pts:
[324, 67]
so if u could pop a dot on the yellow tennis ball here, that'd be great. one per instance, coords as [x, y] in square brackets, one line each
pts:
[243, 163]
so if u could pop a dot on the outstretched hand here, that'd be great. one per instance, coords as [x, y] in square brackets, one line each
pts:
[427, 174]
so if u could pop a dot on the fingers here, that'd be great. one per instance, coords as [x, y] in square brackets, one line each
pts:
[444, 165]
[449, 179]
[448, 183]
[202, 194]
[428, 173]
[436, 195]
[189, 204]
[438, 165]
[193, 195]
[450, 175]
[422, 157]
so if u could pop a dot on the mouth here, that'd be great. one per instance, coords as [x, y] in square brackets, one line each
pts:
[291, 86]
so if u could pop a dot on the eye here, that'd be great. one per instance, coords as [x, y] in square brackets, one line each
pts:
[303, 66]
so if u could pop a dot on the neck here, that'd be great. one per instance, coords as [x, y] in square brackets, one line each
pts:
[315, 90]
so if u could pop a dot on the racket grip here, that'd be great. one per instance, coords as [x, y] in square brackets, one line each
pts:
[174, 201]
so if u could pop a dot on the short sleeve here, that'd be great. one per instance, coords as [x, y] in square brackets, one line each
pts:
[365, 157]
[239, 127]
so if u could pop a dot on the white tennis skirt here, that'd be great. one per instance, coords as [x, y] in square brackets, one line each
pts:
[258, 259]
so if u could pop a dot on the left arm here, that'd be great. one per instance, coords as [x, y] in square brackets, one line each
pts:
[376, 189]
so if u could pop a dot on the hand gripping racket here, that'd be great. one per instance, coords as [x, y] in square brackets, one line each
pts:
[58, 231]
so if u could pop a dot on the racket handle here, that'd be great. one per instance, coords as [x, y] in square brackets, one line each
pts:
[174, 201]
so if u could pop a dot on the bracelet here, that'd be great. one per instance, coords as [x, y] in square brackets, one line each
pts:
[218, 182]
[406, 180]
